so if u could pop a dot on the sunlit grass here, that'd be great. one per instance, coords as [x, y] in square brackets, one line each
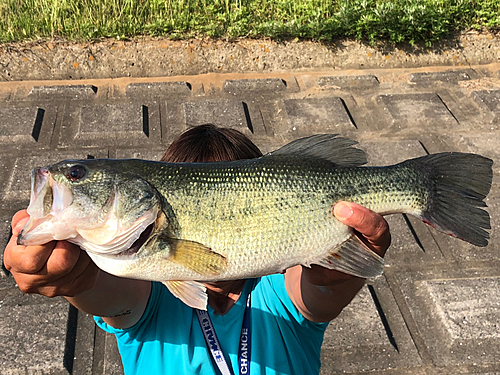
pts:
[372, 20]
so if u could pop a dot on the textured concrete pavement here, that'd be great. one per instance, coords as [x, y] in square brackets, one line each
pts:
[436, 309]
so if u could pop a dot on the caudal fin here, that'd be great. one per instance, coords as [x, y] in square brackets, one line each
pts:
[460, 184]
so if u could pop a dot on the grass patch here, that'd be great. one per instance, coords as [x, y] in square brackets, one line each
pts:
[372, 20]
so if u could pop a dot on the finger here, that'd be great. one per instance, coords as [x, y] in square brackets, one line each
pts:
[63, 259]
[61, 275]
[6, 254]
[369, 224]
[19, 220]
[69, 286]
[81, 278]
[26, 259]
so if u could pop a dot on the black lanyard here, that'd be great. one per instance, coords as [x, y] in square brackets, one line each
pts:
[214, 345]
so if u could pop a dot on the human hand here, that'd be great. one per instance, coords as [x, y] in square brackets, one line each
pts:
[57, 268]
[369, 226]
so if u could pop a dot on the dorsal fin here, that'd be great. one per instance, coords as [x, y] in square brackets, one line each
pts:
[329, 147]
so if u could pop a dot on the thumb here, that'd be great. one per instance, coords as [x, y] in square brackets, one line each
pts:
[18, 223]
[373, 228]
[343, 211]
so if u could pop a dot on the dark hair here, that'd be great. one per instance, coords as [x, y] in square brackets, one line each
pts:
[209, 143]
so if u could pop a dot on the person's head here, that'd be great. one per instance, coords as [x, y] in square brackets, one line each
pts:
[209, 143]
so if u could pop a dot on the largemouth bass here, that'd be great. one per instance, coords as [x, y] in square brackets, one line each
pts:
[185, 223]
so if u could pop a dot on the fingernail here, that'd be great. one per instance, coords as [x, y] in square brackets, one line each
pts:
[343, 211]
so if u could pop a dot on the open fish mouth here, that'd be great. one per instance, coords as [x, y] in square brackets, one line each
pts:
[57, 212]
[48, 197]
[48, 200]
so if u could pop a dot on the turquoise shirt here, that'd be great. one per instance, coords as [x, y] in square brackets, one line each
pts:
[168, 338]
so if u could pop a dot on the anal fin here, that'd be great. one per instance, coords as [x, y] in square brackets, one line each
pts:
[354, 257]
[192, 293]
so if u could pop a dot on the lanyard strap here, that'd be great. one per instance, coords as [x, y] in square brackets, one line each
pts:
[244, 350]
[212, 341]
[214, 345]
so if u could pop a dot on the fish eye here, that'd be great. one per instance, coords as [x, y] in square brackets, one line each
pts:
[76, 173]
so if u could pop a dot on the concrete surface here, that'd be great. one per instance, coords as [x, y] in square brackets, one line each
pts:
[436, 309]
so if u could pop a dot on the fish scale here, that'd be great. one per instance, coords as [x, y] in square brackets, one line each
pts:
[303, 226]
[190, 222]
[241, 207]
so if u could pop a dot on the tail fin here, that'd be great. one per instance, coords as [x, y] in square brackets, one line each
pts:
[460, 183]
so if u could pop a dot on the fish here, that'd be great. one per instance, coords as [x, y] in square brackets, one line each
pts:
[188, 223]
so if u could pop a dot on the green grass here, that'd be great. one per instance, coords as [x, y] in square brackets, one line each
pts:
[371, 20]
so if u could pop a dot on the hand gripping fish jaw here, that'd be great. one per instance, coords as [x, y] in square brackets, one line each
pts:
[63, 207]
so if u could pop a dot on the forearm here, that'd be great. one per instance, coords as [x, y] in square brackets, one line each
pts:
[334, 297]
[320, 303]
[121, 302]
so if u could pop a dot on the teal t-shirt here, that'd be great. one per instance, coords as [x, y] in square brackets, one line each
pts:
[168, 339]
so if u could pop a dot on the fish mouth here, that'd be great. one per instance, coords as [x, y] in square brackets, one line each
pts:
[42, 196]
[48, 200]
[58, 213]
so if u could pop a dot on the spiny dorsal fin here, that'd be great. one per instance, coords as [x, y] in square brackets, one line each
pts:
[331, 147]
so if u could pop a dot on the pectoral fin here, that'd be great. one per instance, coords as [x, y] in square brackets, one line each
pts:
[355, 258]
[192, 293]
[196, 257]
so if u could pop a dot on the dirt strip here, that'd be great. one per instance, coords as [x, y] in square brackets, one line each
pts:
[147, 57]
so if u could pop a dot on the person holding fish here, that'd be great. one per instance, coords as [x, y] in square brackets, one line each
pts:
[166, 270]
